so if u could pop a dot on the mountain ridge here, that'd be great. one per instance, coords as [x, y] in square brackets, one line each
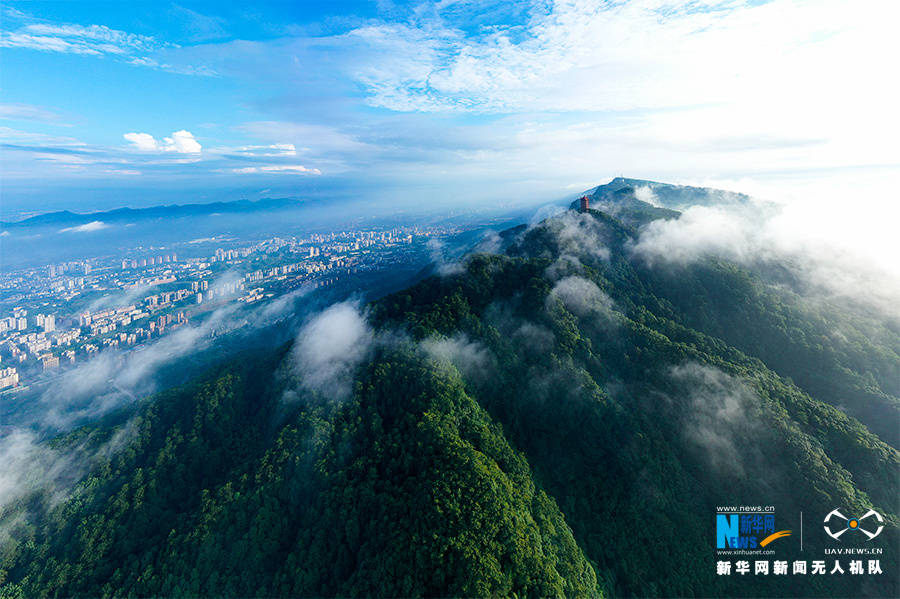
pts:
[559, 419]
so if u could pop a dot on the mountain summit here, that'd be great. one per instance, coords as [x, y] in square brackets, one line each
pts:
[662, 195]
[637, 202]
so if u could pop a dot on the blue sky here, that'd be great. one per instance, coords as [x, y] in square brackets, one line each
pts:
[136, 103]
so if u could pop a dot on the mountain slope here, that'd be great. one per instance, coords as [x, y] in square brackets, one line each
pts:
[562, 419]
[407, 490]
[642, 421]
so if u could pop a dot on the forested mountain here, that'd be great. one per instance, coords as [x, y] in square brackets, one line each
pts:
[559, 419]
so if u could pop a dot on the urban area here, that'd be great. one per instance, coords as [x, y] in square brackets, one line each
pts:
[59, 314]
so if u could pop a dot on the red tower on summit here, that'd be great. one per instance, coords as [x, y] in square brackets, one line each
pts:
[584, 204]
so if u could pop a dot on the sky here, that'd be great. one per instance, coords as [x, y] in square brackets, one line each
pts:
[444, 104]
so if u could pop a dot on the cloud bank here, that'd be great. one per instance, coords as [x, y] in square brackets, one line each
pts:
[113, 379]
[838, 255]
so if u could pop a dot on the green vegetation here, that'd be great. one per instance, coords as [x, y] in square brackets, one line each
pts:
[561, 420]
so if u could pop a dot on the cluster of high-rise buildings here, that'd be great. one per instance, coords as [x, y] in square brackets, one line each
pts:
[151, 261]
[79, 266]
[20, 321]
[23, 337]
[234, 254]
[9, 377]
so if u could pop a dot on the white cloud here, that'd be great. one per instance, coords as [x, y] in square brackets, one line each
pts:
[471, 358]
[182, 142]
[27, 112]
[598, 55]
[277, 168]
[719, 411]
[11, 135]
[837, 247]
[330, 347]
[94, 225]
[95, 40]
[280, 149]
[146, 61]
[76, 39]
[578, 235]
[304, 137]
[142, 141]
[581, 296]
[645, 194]
[113, 379]
[27, 466]
[698, 232]
[446, 265]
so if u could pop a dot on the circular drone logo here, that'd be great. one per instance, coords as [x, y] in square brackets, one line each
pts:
[842, 524]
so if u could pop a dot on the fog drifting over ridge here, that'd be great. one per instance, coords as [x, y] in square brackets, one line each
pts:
[842, 246]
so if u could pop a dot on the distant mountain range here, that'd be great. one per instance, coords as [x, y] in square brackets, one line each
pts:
[68, 218]
[658, 199]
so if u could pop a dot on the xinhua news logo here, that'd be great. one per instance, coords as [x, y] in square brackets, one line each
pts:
[747, 530]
